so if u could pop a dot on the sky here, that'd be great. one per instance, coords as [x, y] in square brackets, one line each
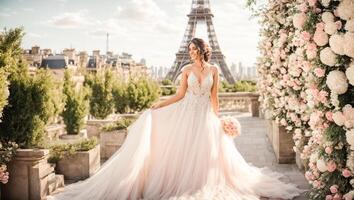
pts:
[149, 29]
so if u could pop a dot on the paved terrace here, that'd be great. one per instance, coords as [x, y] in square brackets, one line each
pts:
[255, 147]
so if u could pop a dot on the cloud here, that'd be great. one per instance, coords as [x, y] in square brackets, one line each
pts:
[140, 11]
[7, 12]
[71, 20]
[34, 35]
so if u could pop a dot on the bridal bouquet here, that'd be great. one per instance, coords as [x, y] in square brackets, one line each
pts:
[231, 126]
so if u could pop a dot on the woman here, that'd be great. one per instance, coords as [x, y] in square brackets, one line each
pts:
[178, 150]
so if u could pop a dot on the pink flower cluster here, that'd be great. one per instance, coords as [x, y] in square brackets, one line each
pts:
[231, 126]
[4, 175]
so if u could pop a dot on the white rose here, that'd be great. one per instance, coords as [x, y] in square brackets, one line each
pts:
[346, 9]
[337, 82]
[320, 38]
[349, 25]
[314, 157]
[349, 44]
[350, 138]
[328, 57]
[327, 17]
[350, 73]
[338, 118]
[325, 3]
[321, 165]
[330, 28]
[334, 99]
[336, 42]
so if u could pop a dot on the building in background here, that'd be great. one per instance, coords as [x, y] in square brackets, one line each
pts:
[122, 64]
[241, 72]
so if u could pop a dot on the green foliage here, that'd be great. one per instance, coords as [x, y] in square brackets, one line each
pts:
[101, 99]
[119, 124]
[168, 88]
[76, 105]
[59, 151]
[30, 106]
[166, 82]
[4, 91]
[240, 86]
[141, 93]
[119, 92]
[10, 47]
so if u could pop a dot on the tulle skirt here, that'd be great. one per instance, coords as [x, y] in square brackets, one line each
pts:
[179, 152]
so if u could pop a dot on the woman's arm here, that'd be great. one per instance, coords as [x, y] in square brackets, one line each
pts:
[214, 91]
[179, 94]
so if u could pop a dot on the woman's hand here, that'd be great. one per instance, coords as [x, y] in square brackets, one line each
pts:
[156, 105]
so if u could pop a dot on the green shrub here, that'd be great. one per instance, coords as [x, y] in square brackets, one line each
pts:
[101, 99]
[120, 99]
[4, 90]
[30, 107]
[76, 105]
[59, 151]
[141, 93]
[166, 82]
[240, 86]
[119, 124]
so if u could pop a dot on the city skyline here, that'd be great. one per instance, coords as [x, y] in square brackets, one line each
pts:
[150, 29]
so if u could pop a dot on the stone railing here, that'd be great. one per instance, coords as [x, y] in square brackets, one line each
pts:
[237, 102]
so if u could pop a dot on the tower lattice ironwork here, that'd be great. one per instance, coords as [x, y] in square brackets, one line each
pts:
[200, 12]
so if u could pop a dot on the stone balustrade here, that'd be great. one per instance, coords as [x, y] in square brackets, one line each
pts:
[237, 102]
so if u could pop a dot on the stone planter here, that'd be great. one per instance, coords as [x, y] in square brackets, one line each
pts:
[31, 176]
[269, 124]
[81, 165]
[282, 144]
[93, 127]
[110, 142]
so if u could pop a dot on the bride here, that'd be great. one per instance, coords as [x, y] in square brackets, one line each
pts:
[178, 150]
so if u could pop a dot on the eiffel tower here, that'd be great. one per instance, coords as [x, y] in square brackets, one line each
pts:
[200, 12]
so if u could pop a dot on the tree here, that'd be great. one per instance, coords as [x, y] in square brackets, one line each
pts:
[30, 101]
[76, 105]
[101, 100]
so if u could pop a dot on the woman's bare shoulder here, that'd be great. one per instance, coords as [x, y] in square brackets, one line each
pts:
[187, 68]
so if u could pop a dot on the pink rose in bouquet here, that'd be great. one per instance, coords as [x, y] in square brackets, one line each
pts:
[231, 126]
[4, 175]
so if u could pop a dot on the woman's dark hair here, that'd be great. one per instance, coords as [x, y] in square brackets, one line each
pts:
[203, 48]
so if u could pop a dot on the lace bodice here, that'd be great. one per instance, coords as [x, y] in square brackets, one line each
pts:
[200, 89]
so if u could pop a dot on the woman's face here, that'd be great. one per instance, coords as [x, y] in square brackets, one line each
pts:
[193, 51]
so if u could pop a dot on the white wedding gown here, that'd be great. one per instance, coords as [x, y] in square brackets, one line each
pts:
[179, 152]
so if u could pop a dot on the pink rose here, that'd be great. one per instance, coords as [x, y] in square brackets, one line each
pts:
[306, 35]
[311, 50]
[303, 7]
[312, 2]
[320, 26]
[328, 150]
[331, 166]
[319, 72]
[329, 197]
[329, 115]
[337, 197]
[334, 189]
[339, 24]
[346, 173]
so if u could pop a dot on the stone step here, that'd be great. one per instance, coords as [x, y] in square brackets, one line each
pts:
[55, 183]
